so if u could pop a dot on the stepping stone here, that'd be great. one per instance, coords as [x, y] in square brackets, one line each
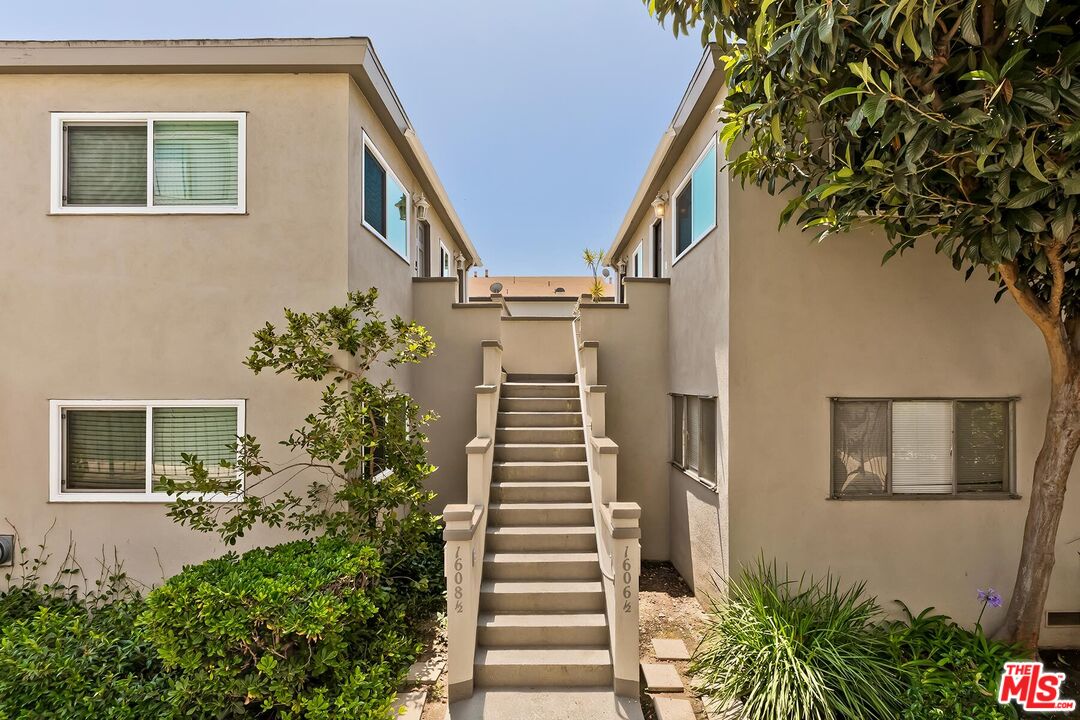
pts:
[409, 705]
[661, 678]
[715, 711]
[426, 672]
[670, 649]
[673, 709]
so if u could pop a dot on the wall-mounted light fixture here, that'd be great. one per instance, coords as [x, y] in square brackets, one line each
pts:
[659, 205]
[420, 202]
[7, 550]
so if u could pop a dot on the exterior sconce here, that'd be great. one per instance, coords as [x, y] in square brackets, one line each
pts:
[7, 550]
[459, 261]
[659, 205]
[621, 267]
[420, 202]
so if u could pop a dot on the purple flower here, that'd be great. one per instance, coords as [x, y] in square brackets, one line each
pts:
[990, 597]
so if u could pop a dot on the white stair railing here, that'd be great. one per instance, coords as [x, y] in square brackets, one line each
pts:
[465, 532]
[618, 530]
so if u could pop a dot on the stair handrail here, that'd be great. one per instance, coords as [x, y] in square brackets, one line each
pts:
[466, 532]
[617, 524]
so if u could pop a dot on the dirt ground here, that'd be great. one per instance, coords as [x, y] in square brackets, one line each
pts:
[669, 610]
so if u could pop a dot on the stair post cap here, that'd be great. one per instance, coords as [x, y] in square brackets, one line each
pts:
[486, 389]
[590, 343]
[491, 343]
[598, 388]
[476, 446]
[624, 510]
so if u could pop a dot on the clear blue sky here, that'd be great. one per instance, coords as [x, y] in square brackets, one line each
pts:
[540, 115]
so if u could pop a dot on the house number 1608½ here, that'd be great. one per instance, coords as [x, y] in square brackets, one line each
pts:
[459, 607]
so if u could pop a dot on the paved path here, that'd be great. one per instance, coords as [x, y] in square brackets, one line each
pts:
[546, 704]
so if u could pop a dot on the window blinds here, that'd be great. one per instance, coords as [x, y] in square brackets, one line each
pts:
[106, 165]
[104, 450]
[693, 433]
[203, 431]
[922, 439]
[195, 162]
[374, 193]
[678, 416]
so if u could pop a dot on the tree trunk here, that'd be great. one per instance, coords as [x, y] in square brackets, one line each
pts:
[1052, 467]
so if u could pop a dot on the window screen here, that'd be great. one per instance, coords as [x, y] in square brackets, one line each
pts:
[678, 429]
[204, 431]
[983, 446]
[374, 193]
[195, 162]
[105, 165]
[860, 464]
[104, 450]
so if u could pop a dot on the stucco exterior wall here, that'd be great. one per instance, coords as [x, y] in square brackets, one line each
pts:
[698, 333]
[633, 364]
[158, 307]
[810, 321]
[539, 344]
[446, 382]
[150, 307]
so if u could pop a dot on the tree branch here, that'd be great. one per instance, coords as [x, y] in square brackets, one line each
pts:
[1051, 326]
[1057, 271]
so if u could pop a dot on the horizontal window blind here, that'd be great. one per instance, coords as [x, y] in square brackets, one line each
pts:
[203, 431]
[106, 165]
[693, 433]
[708, 439]
[860, 463]
[104, 450]
[195, 162]
[922, 446]
[982, 446]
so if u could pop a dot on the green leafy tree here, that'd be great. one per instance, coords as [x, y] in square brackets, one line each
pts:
[363, 447]
[953, 122]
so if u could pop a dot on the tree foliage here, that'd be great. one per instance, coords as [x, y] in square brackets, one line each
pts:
[957, 121]
[363, 446]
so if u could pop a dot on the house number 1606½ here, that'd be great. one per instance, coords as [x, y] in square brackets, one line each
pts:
[627, 576]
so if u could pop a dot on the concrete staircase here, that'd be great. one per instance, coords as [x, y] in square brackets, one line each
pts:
[542, 619]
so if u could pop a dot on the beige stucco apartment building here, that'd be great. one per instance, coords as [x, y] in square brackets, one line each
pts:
[877, 422]
[162, 200]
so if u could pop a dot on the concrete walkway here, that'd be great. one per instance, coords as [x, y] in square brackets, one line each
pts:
[546, 704]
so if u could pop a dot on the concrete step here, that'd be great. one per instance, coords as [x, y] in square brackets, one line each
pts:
[523, 389]
[543, 630]
[544, 452]
[571, 666]
[539, 404]
[577, 514]
[542, 596]
[533, 492]
[542, 566]
[525, 538]
[511, 471]
[539, 378]
[549, 435]
[520, 419]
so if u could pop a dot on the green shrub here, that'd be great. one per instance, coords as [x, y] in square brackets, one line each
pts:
[953, 672]
[310, 629]
[71, 662]
[798, 650]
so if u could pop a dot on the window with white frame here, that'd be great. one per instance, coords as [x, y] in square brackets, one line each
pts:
[635, 264]
[932, 448]
[386, 202]
[119, 450]
[658, 249]
[148, 163]
[695, 202]
[444, 260]
[693, 436]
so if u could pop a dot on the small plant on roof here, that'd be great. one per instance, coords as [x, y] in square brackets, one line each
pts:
[594, 259]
